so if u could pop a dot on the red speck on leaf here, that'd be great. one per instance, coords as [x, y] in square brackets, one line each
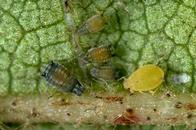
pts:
[190, 106]
[128, 117]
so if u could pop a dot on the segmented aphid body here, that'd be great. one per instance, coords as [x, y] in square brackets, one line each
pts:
[103, 73]
[57, 75]
[100, 54]
[92, 25]
[146, 78]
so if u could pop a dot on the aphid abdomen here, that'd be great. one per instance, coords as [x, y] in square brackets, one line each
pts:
[56, 75]
[95, 23]
[99, 55]
[49, 73]
[60, 78]
[103, 73]
[92, 25]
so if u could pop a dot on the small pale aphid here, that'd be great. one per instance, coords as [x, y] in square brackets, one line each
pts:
[57, 75]
[181, 78]
[103, 73]
[100, 54]
[145, 78]
[92, 25]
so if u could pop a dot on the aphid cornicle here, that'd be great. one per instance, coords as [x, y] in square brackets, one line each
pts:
[57, 75]
[100, 54]
[145, 78]
[92, 25]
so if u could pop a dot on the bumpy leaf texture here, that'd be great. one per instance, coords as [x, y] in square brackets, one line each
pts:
[34, 32]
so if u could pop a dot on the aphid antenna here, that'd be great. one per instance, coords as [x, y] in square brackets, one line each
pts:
[122, 5]
[160, 59]
[108, 45]
[99, 12]
[68, 4]
[76, 43]
[80, 82]
[122, 78]
[106, 83]
[112, 50]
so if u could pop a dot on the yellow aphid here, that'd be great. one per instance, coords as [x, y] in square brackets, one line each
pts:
[92, 25]
[146, 78]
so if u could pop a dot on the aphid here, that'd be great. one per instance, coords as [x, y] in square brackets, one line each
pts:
[92, 25]
[146, 78]
[181, 78]
[59, 76]
[100, 54]
[103, 73]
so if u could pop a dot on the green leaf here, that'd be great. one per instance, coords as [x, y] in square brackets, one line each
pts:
[34, 32]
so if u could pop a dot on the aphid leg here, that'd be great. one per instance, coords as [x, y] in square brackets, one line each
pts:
[49, 94]
[162, 58]
[99, 12]
[121, 78]
[78, 89]
[3, 126]
[158, 88]
[75, 39]
[82, 30]
[107, 85]
[141, 92]
[78, 49]
[152, 92]
[131, 91]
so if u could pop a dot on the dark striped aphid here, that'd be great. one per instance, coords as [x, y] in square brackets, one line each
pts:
[92, 25]
[57, 75]
[100, 55]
